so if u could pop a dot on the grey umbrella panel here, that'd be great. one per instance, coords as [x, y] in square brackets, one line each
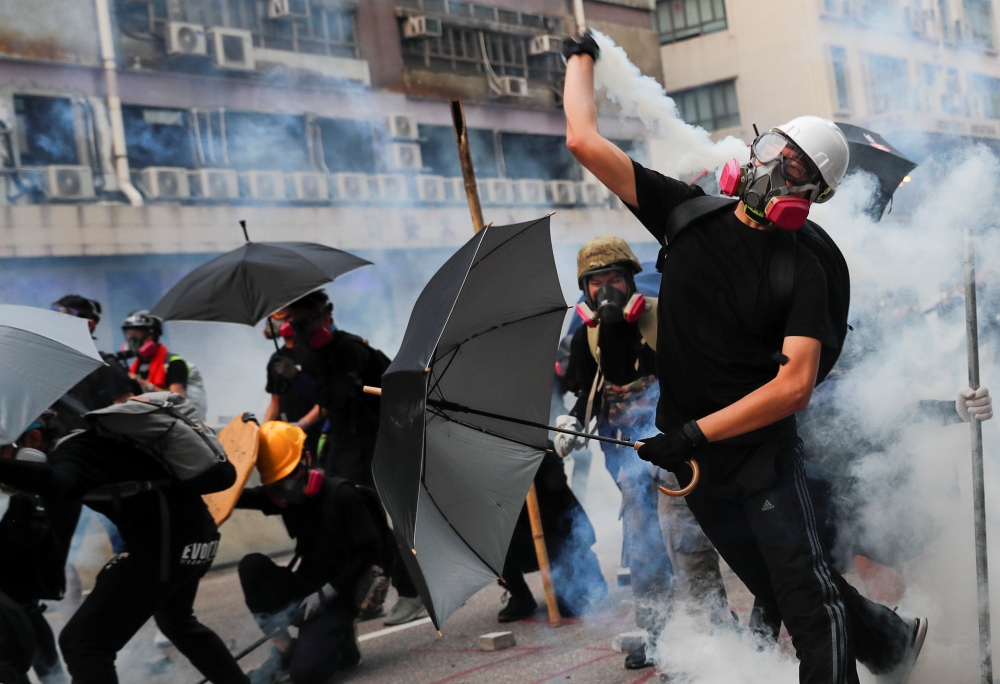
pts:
[483, 334]
[43, 354]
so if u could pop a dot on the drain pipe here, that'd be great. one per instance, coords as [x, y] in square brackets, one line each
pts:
[118, 149]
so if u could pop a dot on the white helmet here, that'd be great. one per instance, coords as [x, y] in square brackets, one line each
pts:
[825, 144]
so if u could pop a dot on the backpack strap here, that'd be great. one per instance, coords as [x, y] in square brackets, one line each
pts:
[781, 273]
[648, 322]
[686, 213]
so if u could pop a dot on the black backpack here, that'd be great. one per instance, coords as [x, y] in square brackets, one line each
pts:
[377, 364]
[27, 534]
[781, 269]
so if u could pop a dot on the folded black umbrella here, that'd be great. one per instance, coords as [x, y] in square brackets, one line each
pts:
[249, 283]
[451, 467]
[872, 153]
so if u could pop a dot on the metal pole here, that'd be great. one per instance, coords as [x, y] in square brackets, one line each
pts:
[978, 490]
[465, 159]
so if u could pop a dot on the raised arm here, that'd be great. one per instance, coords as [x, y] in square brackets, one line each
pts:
[583, 138]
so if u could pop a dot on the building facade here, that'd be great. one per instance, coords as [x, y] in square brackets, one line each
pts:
[924, 73]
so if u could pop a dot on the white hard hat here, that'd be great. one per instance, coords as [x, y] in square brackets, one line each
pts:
[824, 143]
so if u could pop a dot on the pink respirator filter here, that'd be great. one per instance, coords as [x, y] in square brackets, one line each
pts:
[635, 308]
[729, 179]
[587, 315]
[788, 213]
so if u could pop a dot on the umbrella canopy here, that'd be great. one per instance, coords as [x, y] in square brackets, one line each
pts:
[483, 334]
[249, 283]
[43, 354]
[873, 153]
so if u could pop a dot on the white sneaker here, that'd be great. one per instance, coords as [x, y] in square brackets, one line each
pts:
[406, 610]
[901, 674]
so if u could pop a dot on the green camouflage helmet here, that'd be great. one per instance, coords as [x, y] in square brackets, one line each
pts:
[603, 252]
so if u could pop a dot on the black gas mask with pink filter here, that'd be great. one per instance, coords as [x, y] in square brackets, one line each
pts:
[763, 184]
[610, 305]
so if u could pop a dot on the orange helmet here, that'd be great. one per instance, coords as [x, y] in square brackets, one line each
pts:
[279, 450]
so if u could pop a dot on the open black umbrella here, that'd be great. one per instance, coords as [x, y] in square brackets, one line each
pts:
[874, 154]
[249, 283]
[451, 468]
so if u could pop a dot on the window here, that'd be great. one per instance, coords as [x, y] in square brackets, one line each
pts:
[680, 19]
[46, 130]
[157, 137]
[979, 18]
[347, 145]
[888, 83]
[952, 100]
[987, 90]
[439, 151]
[483, 13]
[710, 106]
[315, 28]
[266, 141]
[459, 50]
[538, 156]
[838, 57]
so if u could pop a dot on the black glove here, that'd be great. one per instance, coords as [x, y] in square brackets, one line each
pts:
[671, 449]
[584, 45]
[284, 367]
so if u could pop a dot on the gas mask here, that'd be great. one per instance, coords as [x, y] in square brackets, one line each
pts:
[144, 348]
[316, 340]
[761, 184]
[611, 306]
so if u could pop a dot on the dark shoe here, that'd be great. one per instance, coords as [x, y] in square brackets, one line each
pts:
[636, 660]
[902, 672]
[519, 607]
[350, 654]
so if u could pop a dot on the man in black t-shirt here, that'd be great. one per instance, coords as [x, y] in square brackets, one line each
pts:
[335, 365]
[733, 371]
[287, 402]
[132, 586]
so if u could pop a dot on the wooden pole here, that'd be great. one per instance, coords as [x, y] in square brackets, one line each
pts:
[543, 557]
[581, 21]
[978, 488]
[476, 210]
[465, 159]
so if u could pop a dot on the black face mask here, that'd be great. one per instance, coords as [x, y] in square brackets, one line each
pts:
[609, 302]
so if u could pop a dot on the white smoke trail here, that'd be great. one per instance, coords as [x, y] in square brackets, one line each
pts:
[691, 149]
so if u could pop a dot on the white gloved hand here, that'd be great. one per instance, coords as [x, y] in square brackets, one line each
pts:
[976, 403]
[567, 444]
[315, 603]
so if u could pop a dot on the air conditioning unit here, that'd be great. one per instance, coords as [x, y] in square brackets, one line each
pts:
[430, 189]
[185, 39]
[287, 9]
[530, 192]
[498, 190]
[513, 86]
[421, 27]
[216, 184]
[545, 45]
[404, 157]
[263, 185]
[232, 48]
[68, 182]
[392, 187]
[402, 126]
[349, 187]
[307, 186]
[593, 193]
[163, 182]
[454, 190]
[561, 192]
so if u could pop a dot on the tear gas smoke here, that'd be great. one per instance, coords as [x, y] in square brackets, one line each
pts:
[639, 96]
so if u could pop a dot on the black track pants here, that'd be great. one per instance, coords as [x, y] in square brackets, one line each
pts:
[127, 593]
[771, 542]
[324, 644]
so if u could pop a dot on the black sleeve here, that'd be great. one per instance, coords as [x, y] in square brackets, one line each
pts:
[276, 383]
[39, 478]
[347, 509]
[657, 196]
[218, 478]
[177, 373]
[808, 314]
[256, 499]
[328, 384]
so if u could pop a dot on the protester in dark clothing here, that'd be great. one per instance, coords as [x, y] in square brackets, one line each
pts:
[576, 573]
[733, 371]
[336, 544]
[334, 368]
[132, 588]
[287, 402]
[35, 535]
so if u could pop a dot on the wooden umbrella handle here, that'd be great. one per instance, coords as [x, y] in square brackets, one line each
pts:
[377, 391]
[695, 474]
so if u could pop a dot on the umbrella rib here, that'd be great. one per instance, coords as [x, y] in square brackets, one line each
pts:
[454, 351]
[440, 413]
